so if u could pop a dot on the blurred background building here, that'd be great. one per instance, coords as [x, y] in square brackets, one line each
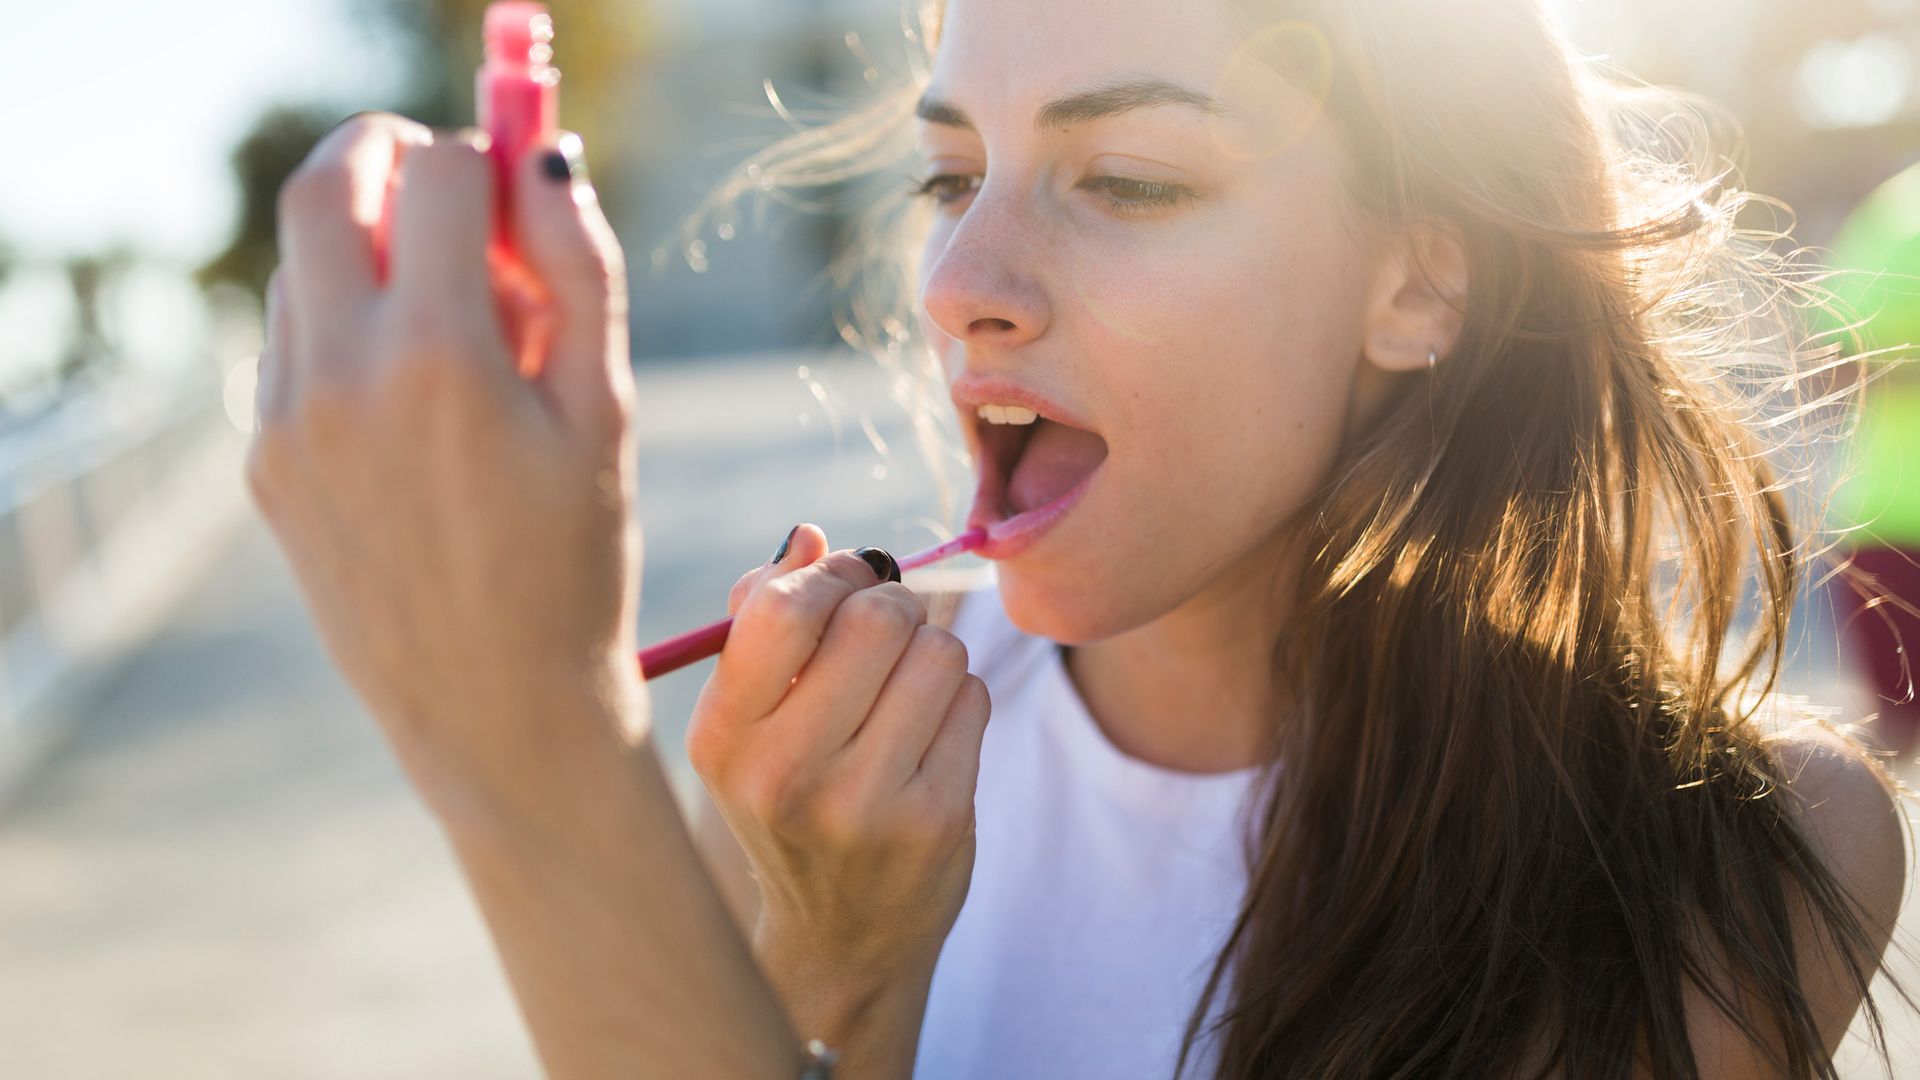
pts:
[208, 866]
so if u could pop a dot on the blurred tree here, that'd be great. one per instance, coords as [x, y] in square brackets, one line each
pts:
[438, 44]
[266, 156]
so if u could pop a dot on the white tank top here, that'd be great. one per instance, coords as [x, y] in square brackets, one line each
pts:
[1103, 887]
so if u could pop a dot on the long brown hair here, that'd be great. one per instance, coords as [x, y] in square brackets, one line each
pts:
[1529, 799]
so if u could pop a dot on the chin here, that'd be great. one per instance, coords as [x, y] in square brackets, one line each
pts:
[1065, 608]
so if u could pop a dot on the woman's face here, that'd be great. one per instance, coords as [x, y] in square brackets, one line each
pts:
[1146, 228]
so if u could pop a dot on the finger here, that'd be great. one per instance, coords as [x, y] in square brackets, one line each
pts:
[916, 698]
[779, 628]
[330, 209]
[442, 218]
[864, 641]
[562, 235]
[272, 389]
[804, 545]
[952, 759]
[790, 555]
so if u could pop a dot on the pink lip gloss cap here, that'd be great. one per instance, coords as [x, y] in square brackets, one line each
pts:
[518, 33]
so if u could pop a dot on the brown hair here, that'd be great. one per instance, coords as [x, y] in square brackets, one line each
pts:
[1532, 800]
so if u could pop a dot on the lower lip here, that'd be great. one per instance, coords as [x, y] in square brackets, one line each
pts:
[1006, 539]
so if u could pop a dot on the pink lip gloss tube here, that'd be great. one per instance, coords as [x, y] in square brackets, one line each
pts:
[516, 96]
[517, 102]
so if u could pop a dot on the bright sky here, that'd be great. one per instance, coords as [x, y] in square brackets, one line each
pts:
[119, 115]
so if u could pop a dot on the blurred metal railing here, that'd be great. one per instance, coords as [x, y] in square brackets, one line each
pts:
[110, 503]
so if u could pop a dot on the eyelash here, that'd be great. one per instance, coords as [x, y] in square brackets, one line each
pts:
[1154, 194]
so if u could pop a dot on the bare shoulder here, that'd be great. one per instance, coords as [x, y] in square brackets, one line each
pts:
[1848, 805]
[1849, 808]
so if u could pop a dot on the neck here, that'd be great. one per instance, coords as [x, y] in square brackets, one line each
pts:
[1193, 690]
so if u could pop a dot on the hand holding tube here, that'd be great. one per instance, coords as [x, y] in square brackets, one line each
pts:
[463, 534]
[839, 737]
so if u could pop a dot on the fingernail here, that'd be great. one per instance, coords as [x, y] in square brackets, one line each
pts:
[883, 565]
[566, 161]
[784, 545]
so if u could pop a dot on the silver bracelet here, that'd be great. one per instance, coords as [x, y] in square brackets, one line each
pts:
[819, 1063]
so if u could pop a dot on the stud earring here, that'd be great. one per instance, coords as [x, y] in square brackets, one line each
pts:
[1433, 359]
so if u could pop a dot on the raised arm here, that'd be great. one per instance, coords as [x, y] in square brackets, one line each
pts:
[464, 539]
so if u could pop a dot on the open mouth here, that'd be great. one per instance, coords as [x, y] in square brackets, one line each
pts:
[1029, 467]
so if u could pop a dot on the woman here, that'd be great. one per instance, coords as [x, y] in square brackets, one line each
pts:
[1380, 371]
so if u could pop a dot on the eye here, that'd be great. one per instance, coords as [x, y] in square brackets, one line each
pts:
[1122, 194]
[1135, 196]
[944, 188]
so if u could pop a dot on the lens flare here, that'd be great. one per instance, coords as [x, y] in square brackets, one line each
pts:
[1279, 79]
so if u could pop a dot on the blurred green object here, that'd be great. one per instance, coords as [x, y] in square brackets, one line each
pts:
[276, 144]
[1878, 247]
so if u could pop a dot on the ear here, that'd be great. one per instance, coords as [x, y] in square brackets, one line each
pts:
[1418, 296]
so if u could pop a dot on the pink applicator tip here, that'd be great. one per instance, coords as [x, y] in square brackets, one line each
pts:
[696, 645]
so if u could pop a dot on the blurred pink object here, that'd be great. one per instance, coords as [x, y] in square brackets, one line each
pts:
[516, 94]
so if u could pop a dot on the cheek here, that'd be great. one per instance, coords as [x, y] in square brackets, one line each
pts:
[1257, 331]
[1230, 408]
[1245, 277]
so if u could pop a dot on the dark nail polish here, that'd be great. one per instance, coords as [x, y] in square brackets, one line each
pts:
[784, 545]
[883, 565]
[556, 166]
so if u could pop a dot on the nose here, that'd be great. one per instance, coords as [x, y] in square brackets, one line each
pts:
[979, 287]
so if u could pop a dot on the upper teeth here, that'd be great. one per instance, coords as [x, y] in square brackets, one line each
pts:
[1007, 414]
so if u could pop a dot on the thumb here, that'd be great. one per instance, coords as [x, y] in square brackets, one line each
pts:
[803, 546]
[562, 236]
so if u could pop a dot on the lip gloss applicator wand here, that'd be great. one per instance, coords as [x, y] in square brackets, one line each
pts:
[696, 645]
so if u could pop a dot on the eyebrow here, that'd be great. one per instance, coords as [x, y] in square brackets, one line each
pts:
[1139, 92]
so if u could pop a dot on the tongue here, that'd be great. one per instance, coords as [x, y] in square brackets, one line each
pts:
[1056, 458]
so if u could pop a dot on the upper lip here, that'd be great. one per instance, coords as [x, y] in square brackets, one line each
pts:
[972, 391]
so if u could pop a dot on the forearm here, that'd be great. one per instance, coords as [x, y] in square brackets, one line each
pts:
[871, 1019]
[617, 944]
